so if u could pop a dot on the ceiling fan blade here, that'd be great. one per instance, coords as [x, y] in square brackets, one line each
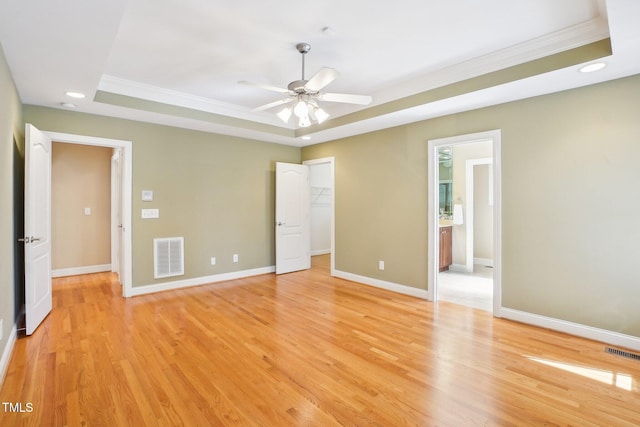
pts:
[273, 104]
[346, 98]
[263, 86]
[321, 79]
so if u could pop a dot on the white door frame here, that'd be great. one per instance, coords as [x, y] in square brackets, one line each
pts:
[127, 172]
[332, 162]
[432, 210]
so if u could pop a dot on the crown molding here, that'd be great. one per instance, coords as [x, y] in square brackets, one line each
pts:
[129, 88]
[566, 39]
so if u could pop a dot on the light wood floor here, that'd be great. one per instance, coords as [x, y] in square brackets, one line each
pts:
[303, 349]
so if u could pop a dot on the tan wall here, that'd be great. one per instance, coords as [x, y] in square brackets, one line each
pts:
[381, 205]
[80, 178]
[216, 191]
[11, 181]
[570, 219]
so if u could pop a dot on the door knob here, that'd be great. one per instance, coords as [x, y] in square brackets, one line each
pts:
[279, 223]
[29, 239]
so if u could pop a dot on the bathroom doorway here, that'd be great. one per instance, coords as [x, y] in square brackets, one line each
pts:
[464, 220]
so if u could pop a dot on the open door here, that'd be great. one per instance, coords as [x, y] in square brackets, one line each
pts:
[116, 212]
[293, 250]
[37, 227]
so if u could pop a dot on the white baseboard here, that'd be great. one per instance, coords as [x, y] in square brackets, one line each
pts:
[74, 271]
[584, 331]
[198, 281]
[6, 353]
[320, 252]
[460, 268]
[390, 286]
[486, 262]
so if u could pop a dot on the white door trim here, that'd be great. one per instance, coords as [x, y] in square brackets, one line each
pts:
[432, 204]
[332, 162]
[127, 172]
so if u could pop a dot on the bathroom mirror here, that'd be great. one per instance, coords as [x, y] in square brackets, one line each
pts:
[445, 172]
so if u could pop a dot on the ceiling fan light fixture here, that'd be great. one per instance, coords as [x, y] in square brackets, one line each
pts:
[285, 114]
[304, 121]
[301, 109]
[321, 115]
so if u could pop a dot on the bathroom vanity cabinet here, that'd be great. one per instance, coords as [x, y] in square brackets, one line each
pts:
[445, 247]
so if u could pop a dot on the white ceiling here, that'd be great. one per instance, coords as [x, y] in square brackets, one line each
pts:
[192, 53]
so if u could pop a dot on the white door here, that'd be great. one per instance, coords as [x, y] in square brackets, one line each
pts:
[292, 218]
[37, 227]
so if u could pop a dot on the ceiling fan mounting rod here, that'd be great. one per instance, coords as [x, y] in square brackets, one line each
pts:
[303, 48]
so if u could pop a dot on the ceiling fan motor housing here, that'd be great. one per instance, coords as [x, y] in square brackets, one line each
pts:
[298, 86]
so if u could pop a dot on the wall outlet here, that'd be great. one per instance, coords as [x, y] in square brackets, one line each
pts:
[380, 265]
[87, 211]
[213, 260]
[235, 257]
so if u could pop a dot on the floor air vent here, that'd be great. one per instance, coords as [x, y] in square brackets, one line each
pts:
[622, 353]
[168, 257]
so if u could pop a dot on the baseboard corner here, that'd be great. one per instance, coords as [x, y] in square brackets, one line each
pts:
[7, 352]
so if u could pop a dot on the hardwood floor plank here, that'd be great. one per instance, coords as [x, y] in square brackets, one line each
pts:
[303, 349]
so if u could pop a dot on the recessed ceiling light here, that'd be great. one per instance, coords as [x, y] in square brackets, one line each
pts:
[593, 67]
[306, 138]
[68, 104]
[77, 95]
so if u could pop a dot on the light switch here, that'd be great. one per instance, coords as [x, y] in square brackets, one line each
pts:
[147, 196]
[87, 211]
[150, 213]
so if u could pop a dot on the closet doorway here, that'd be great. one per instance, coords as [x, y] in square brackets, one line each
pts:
[322, 211]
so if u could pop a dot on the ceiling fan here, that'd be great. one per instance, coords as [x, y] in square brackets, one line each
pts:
[306, 94]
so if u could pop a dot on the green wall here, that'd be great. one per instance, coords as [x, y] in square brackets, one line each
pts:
[11, 178]
[216, 191]
[569, 193]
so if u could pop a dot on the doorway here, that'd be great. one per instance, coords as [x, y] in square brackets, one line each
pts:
[123, 192]
[473, 275]
[322, 210]
[81, 196]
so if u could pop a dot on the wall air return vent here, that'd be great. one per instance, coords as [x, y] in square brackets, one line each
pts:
[168, 257]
